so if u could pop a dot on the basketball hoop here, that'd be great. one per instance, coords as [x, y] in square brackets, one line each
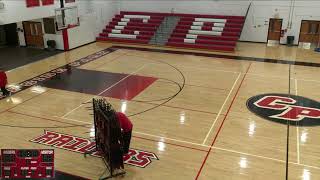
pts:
[67, 17]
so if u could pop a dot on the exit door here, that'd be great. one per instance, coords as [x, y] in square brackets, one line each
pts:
[33, 34]
[309, 34]
[274, 31]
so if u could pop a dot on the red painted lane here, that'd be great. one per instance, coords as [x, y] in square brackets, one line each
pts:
[129, 87]
[224, 119]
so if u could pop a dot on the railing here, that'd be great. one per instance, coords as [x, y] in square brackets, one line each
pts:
[245, 18]
[162, 30]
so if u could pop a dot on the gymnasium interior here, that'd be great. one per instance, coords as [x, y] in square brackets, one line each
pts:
[160, 89]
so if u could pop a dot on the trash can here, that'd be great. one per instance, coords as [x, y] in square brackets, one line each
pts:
[290, 40]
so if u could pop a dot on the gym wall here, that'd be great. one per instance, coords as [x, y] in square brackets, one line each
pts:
[256, 26]
[94, 15]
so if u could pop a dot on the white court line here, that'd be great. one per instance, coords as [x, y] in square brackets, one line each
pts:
[223, 149]
[165, 138]
[248, 154]
[224, 103]
[264, 157]
[105, 90]
[75, 120]
[213, 147]
[281, 77]
[157, 60]
[297, 127]
[253, 74]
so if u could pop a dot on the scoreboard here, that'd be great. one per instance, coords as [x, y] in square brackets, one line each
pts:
[27, 163]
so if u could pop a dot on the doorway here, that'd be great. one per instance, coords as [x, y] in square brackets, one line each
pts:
[33, 34]
[274, 31]
[309, 34]
[9, 35]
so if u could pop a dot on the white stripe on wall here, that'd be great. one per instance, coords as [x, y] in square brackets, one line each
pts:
[127, 36]
[205, 32]
[137, 16]
[211, 20]
[189, 41]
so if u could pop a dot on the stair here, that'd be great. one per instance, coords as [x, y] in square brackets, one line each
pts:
[164, 31]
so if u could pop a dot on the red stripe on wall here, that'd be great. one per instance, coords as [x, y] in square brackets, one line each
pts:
[32, 3]
[47, 2]
[65, 39]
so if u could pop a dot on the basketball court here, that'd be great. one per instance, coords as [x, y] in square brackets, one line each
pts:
[214, 110]
[188, 110]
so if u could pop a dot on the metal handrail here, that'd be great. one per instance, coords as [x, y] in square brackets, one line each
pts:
[245, 18]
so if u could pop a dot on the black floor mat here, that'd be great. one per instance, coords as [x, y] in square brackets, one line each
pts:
[13, 57]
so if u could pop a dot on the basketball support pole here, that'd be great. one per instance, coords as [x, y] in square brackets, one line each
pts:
[64, 31]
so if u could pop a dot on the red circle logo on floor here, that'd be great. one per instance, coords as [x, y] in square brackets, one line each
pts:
[284, 108]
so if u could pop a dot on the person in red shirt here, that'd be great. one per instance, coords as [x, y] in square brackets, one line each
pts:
[3, 83]
[126, 127]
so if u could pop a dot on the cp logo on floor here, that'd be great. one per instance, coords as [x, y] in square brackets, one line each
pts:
[284, 108]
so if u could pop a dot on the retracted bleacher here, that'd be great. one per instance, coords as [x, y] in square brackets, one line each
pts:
[134, 28]
[196, 31]
[211, 32]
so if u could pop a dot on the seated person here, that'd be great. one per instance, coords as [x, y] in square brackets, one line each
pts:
[126, 129]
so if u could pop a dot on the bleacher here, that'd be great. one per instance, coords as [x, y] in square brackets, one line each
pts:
[207, 32]
[134, 28]
[211, 32]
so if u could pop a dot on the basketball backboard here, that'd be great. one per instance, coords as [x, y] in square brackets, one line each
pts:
[67, 17]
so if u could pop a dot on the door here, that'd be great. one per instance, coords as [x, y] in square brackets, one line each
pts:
[274, 31]
[11, 34]
[3, 40]
[309, 32]
[33, 34]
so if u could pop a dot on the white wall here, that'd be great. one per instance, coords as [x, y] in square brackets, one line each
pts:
[186, 6]
[83, 34]
[94, 16]
[257, 23]
[22, 41]
[56, 37]
[17, 11]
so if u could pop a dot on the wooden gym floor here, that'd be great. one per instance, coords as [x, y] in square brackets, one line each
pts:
[189, 110]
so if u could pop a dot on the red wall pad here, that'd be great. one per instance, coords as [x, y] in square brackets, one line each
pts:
[32, 3]
[47, 2]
